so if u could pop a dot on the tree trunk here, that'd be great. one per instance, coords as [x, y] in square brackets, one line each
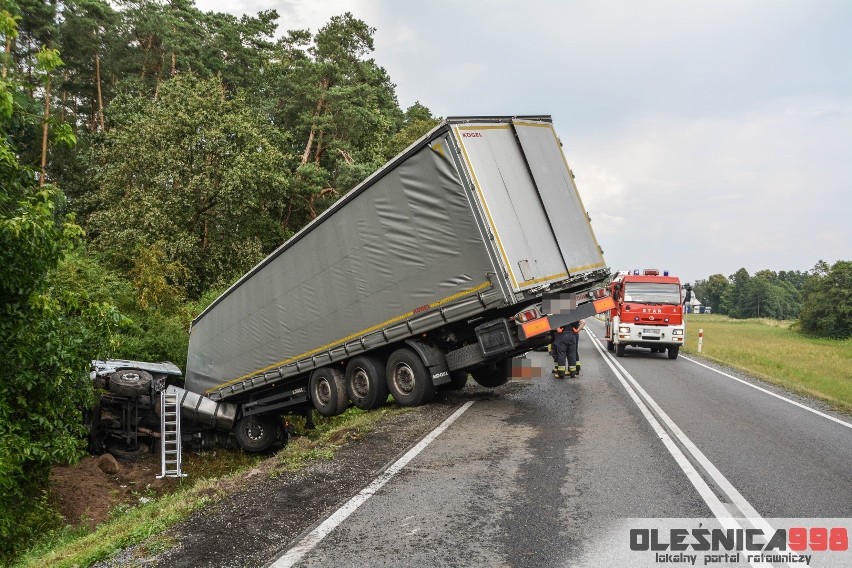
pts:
[285, 221]
[157, 83]
[8, 53]
[308, 146]
[145, 58]
[64, 97]
[100, 94]
[42, 175]
[320, 104]
[320, 148]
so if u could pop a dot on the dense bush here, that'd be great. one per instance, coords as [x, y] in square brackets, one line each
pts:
[827, 302]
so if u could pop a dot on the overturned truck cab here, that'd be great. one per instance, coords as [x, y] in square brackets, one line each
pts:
[127, 421]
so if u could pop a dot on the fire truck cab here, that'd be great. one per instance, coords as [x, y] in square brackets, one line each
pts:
[648, 313]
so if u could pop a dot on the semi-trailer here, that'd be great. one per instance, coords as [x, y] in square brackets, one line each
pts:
[465, 250]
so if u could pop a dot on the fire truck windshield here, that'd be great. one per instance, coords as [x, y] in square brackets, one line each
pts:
[651, 293]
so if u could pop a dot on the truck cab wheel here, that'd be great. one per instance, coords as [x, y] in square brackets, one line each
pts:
[256, 433]
[130, 382]
[129, 453]
[408, 379]
[328, 391]
[365, 380]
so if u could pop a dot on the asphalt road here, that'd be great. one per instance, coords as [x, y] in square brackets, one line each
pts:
[549, 474]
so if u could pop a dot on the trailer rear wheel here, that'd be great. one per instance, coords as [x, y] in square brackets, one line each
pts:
[492, 374]
[256, 433]
[673, 351]
[131, 382]
[408, 379]
[458, 380]
[328, 391]
[366, 386]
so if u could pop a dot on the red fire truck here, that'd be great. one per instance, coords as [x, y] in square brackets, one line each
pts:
[648, 312]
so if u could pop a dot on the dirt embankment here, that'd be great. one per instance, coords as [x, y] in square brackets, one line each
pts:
[262, 514]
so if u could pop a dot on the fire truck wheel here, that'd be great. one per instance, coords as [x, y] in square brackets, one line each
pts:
[492, 374]
[256, 433]
[610, 346]
[408, 379]
[673, 351]
[328, 391]
[131, 382]
[366, 386]
[619, 350]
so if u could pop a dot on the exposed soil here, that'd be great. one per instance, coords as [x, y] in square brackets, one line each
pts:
[85, 494]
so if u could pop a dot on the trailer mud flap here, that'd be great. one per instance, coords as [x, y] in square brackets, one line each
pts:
[434, 359]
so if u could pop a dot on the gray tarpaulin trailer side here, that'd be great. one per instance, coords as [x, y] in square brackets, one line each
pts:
[420, 269]
[479, 213]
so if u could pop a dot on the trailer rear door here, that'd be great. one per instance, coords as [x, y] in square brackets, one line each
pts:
[530, 200]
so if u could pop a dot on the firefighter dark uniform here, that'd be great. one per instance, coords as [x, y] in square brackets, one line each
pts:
[576, 327]
[565, 345]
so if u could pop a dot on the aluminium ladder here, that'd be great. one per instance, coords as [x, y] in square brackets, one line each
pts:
[170, 447]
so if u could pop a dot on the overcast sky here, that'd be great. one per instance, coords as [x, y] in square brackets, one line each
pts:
[705, 136]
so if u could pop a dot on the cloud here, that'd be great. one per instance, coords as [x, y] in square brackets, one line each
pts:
[761, 189]
[297, 14]
[705, 137]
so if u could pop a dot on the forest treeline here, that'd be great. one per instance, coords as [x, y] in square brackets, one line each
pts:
[150, 154]
[819, 299]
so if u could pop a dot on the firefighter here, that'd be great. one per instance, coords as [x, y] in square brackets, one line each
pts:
[551, 348]
[564, 344]
[576, 328]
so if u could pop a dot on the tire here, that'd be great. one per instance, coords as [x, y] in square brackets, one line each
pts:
[328, 391]
[128, 453]
[493, 374]
[408, 379]
[256, 433]
[673, 351]
[619, 350]
[282, 433]
[610, 346]
[365, 380]
[458, 380]
[96, 437]
[131, 382]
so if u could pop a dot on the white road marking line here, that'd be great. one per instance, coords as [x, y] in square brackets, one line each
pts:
[769, 392]
[289, 558]
[643, 401]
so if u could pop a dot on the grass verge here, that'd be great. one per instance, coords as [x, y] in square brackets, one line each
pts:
[774, 352]
[212, 476]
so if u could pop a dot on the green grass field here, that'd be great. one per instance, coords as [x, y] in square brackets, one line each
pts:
[772, 351]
